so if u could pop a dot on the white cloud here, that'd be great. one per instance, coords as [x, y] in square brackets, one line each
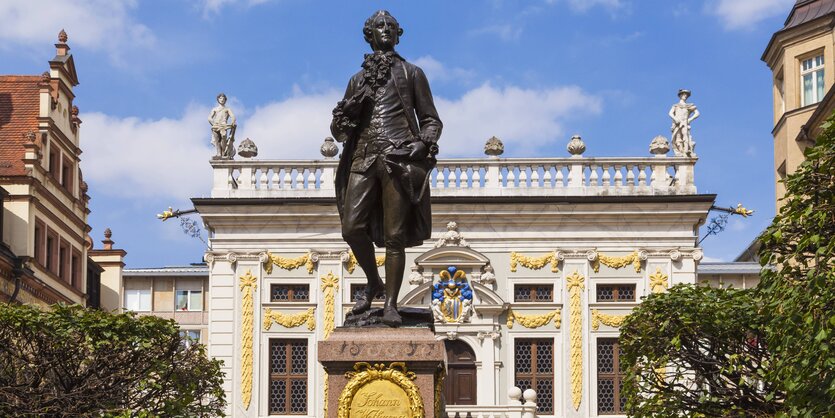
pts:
[436, 71]
[524, 119]
[213, 7]
[743, 14]
[104, 25]
[505, 32]
[583, 5]
[169, 158]
[131, 157]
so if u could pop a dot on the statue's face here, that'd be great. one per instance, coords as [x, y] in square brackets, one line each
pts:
[384, 34]
[221, 100]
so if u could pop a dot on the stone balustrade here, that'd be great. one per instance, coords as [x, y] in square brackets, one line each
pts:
[573, 176]
[518, 408]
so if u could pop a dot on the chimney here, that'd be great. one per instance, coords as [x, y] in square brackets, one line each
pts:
[61, 48]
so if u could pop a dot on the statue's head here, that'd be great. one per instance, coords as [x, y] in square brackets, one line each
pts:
[382, 31]
[683, 94]
[221, 98]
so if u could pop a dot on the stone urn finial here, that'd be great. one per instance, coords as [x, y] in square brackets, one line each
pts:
[247, 149]
[576, 146]
[108, 243]
[494, 147]
[62, 36]
[45, 77]
[659, 146]
[329, 148]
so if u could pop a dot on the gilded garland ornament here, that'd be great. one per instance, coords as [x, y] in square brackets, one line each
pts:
[534, 321]
[351, 264]
[658, 281]
[330, 284]
[598, 318]
[617, 262]
[440, 375]
[289, 320]
[576, 284]
[534, 263]
[289, 263]
[248, 284]
[365, 373]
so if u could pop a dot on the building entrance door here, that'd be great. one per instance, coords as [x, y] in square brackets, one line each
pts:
[460, 383]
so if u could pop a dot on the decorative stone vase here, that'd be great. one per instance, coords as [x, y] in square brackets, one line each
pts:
[659, 146]
[329, 148]
[247, 149]
[494, 147]
[576, 146]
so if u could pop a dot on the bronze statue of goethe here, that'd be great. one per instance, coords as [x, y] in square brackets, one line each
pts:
[389, 127]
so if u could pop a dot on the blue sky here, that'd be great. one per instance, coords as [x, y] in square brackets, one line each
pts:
[605, 69]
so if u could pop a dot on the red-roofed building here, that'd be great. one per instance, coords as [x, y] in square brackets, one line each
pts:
[46, 206]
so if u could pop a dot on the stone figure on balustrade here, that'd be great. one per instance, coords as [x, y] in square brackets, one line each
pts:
[389, 127]
[223, 124]
[682, 114]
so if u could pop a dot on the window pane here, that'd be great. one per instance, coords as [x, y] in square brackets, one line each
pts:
[806, 64]
[131, 300]
[819, 86]
[807, 89]
[145, 299]
[196, 301]
[182, 300]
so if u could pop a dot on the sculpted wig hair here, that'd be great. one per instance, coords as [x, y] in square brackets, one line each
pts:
[369, 24]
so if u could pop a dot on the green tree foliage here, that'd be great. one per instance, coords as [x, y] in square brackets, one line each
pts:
[798, 294]
[73, 361]
[769, 351]
[696, 351]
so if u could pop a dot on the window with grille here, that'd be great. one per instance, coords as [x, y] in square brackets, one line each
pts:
[288, 377]
[357, 290]
[610, 399]
[289, 293]
[616, 293]
[534, 363]
[533, 293]
[811, 78]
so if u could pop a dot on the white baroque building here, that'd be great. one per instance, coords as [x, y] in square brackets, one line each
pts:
[549, 255]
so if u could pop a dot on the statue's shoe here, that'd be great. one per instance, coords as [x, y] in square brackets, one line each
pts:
[391, 317]
[364, 302]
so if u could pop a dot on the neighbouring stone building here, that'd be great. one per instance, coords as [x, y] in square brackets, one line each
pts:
[46, 255]
[801, 57]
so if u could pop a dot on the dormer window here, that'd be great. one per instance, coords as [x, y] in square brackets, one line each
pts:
[811, 78]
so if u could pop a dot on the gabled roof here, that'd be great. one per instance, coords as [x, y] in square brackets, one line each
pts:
[19, 109]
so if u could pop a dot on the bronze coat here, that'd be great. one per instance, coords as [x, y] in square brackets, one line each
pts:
[416, 97]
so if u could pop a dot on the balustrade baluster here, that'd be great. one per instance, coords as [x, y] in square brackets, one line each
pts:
[593, 175]
[560, 180]
[630, 175]
[642, 176]
[618, 176]
[263, 178]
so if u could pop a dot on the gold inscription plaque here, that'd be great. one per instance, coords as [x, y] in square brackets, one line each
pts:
[380, 399]
[377, 391]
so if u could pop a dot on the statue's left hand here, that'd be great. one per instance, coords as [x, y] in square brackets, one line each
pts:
[419, 150]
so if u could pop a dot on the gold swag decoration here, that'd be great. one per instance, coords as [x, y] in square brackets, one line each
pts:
[576, 285]
[248, 284]
[351, 264]
[598, 318]
[617, 262]
[288, 263]
[658, 281]
[534, 321]
[289, 320]
[365, 373]
[534, 263]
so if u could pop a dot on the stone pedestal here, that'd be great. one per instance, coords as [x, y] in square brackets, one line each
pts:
[392, 372]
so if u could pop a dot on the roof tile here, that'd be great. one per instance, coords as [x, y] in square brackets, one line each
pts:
[19, 108]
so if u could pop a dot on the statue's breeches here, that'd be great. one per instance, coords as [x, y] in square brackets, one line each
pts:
[371, 191]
